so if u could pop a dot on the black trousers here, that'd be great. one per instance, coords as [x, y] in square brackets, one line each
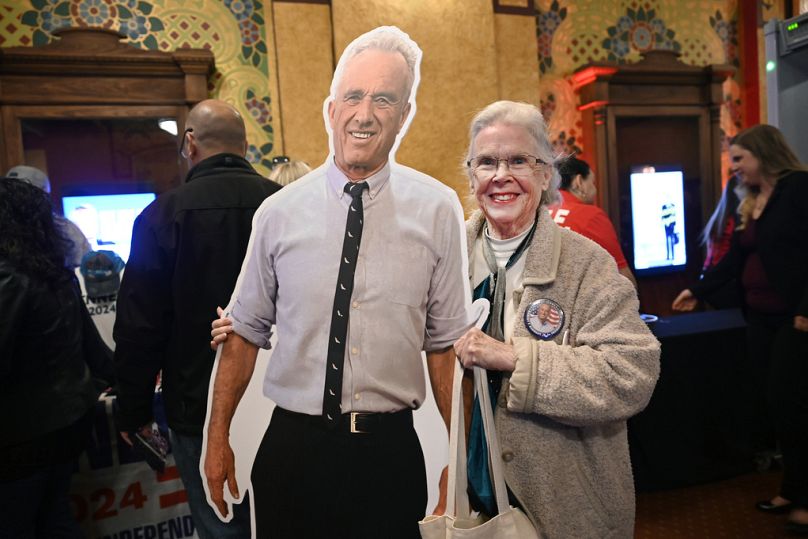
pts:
[761, 331]
[788, 398]
[311, 482]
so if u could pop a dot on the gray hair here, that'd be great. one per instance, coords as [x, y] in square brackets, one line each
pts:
[387, 39]
[529, 118]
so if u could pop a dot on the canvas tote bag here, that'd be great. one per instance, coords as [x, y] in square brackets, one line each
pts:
[457, 523]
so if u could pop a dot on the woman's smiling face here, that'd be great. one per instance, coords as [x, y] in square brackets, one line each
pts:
[508, 201]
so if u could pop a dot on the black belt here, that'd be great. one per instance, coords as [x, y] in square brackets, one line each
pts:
[357, 422]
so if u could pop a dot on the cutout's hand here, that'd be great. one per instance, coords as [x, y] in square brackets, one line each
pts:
[220, 467]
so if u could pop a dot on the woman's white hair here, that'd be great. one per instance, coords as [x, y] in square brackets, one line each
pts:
[529, 118]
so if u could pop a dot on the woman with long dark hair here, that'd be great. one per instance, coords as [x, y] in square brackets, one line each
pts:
[769, 257]
[46, 386]
[716, 237]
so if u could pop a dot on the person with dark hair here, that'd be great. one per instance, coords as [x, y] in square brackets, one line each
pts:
[578, 212]
[717, 234]
[717, 238]
[77, 244]
[49, 354]
[187, 248]
[768, 257]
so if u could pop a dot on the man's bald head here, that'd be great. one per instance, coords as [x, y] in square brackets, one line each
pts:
[216, 127]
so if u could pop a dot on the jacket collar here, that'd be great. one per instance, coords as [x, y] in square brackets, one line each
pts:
[220, 160]
[543, 254]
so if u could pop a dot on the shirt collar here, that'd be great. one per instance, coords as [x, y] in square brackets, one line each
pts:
[337, 180]
[568, 198]
[210, 164]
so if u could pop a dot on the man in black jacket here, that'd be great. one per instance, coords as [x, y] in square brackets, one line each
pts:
[187, 248]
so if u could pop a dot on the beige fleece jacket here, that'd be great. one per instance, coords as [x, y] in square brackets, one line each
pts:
[561, 417]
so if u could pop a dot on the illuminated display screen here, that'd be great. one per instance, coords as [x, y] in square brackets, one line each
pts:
[107, 220]
[658, 221]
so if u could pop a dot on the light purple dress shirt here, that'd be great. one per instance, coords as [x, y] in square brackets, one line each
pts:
[410, 288]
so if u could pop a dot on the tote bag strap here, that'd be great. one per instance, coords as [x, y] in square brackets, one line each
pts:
[495, 465]
[457, 502]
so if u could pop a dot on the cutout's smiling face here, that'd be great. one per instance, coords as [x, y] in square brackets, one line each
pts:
[368, 111]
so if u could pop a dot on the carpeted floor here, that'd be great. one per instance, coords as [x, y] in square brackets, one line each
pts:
[723, 509]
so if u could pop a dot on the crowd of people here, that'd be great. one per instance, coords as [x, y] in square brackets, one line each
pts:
[567, 357]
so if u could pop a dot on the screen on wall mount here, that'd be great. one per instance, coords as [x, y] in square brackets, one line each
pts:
[658, 219]
[107, 220]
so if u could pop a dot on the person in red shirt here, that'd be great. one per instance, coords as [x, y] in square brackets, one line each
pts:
[577, 211]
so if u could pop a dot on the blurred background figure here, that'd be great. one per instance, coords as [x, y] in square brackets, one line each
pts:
[77, 245]
[717, 234]
[577, 211]
[768, 256]
[50, 354]
[669, 222]
[717, 237]
[99, 277]
[285, 171]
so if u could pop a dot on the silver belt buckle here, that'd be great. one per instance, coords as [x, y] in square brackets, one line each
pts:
[355, 430]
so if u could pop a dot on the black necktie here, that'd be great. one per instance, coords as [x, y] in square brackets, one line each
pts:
[332, 394]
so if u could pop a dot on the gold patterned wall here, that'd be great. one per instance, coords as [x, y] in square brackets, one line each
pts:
[571, 34]
[305, 68]
[236, 31]
[275, 59]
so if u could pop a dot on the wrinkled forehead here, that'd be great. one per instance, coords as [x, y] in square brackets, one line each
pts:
[504, 139]
[373, 64]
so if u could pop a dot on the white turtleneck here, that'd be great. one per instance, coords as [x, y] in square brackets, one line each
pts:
[503, 249]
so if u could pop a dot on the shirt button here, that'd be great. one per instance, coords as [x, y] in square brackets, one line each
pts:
[507, 456]
[356, 396]
[354, 350]
[355, 304]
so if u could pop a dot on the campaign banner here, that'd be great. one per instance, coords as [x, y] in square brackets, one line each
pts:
[116, 495]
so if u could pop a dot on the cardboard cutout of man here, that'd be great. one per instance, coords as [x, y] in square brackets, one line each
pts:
[340, 457]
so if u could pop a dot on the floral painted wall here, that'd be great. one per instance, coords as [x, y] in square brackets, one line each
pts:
[234, 30]
[572, 33]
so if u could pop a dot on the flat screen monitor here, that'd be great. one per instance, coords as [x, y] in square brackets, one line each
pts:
[107, 220]
[658, 220]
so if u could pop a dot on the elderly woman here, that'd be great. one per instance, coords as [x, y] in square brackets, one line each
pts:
[565, 378]
[768, 256]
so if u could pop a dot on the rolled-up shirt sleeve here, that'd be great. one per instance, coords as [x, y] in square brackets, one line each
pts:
[448, 314]
[252, 306]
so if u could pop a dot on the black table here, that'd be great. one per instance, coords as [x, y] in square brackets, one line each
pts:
[693, 430]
